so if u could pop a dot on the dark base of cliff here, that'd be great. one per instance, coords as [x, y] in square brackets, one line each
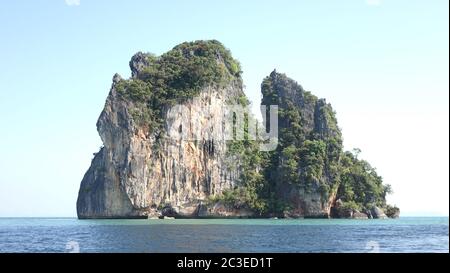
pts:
[110, 217]
[221, 217]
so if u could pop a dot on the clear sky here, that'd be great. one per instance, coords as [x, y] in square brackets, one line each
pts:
[382, 64]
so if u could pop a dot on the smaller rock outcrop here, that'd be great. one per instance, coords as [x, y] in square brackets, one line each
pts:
[378, 213]
[138, 62]
[340, 210]
[359, 215]
[392, 211]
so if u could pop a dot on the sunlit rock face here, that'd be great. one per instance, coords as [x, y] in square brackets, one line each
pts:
[138, 174]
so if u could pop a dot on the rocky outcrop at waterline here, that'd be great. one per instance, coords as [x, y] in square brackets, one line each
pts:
[142, 171]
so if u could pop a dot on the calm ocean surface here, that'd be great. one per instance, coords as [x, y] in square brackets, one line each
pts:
[407, 234]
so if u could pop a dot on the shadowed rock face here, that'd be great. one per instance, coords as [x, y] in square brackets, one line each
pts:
[316, 122]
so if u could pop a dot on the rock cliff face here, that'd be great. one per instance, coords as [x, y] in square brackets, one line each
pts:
[137, 174]
[143, 171]
[309, 149]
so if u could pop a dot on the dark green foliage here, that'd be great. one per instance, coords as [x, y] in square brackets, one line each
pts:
[312, 160]
[143, 116]
[345, 209]
[310, 98]
[134, 89]
[243, 100]
[330, 118]
[360, 183]
[270, 97]
[392, 211]
[292, 132]
[180, 74]
[252, 190]
[289, 164]
[350, 205]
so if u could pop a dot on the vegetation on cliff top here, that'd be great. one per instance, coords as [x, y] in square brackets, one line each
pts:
[177, 75]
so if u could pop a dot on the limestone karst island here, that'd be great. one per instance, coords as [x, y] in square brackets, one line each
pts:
[141, 171]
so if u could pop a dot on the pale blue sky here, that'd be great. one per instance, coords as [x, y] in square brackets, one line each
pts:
[383, 64]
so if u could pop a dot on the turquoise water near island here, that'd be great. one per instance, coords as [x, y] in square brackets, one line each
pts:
[406, 234]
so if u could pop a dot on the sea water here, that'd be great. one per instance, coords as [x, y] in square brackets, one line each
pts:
[406, 234]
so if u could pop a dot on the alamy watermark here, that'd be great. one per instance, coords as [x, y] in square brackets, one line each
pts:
[73, 2]
[72, 247]
[222, 123]
[373, 247]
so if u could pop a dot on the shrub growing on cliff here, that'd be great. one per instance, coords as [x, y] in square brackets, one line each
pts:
[241, 197]
[289, 164]
[134, 89]
[312, 157]
[360, 183]
[253, 189]
[350, 205]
